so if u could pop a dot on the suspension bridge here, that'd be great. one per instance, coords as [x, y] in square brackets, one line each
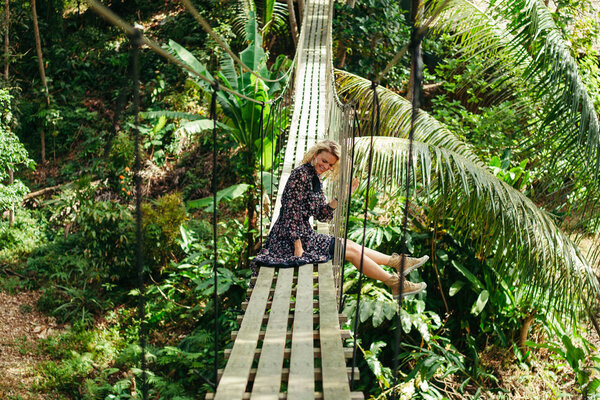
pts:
[290, 345]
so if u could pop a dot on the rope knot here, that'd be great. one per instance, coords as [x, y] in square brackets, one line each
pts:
[215, 85]
[374, 85]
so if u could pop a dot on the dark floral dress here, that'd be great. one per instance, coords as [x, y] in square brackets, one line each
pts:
[302, 198]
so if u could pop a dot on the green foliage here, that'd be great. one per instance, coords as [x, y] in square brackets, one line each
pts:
[228, 194]
[78, 358]
[517, 177]
[12, 155]
[243, 116]
[371, 33]
[161, 221]
[580, 354]
[122, 151]
[19, 240]
[490, 130]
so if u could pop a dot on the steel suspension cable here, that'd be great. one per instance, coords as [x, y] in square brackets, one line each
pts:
[213, 116]
[260, 129]
[355, 127]
[278, 106]
[417, 75]
[139, 249]
[374, 128]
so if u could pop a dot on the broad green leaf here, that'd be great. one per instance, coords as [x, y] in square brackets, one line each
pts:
[455, 288]
[227, 194]
[480, 303]
[467, 274]
[378, 314]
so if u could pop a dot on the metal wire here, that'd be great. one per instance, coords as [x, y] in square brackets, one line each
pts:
[260, 197]
[213, 116]
[355, 127]
[374, 128]
[139, 249]
[417, 70]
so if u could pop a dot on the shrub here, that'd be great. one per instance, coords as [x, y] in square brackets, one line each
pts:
[161, 221]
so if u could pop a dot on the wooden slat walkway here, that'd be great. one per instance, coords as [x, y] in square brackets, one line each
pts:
[290, 345]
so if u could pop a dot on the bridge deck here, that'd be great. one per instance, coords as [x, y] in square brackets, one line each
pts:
[290, 345]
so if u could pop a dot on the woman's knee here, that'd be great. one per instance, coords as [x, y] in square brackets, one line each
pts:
[351, 251]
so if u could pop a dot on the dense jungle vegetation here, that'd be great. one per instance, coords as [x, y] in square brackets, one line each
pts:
[508, 211]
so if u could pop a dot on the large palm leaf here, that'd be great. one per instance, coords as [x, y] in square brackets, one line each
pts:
[521, 240]
[522, 55]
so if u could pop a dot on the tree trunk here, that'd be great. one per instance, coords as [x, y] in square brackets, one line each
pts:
[6, 40]
[416, 55]
[11, 178]
[525, 331]
[300, 11]
[38, 48]
[293, 24]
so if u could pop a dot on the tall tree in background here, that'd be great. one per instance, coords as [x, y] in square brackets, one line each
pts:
[6, 40]
[38, 48]
[11, 178]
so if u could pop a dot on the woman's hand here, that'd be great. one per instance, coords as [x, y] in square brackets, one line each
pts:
[333, 203]
[298, 250]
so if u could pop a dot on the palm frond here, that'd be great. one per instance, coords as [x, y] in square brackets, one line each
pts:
[521, 241]
[396, 113]
[522, 49]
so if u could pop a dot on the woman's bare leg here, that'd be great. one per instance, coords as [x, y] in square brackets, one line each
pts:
[370, 267]
[376, 256]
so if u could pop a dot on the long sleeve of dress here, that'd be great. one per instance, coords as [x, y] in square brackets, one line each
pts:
[325, 212]
[293, 203]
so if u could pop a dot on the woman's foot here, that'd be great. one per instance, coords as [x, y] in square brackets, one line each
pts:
[410, 263]
[408, 288]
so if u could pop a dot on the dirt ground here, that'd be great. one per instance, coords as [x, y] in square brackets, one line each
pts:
[21, 326]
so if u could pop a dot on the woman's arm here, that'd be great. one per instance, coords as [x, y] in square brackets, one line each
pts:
[295, 193]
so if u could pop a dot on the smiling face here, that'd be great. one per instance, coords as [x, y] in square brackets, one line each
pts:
[324, 161]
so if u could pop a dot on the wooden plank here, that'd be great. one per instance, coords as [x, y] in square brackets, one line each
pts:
[345, 334]
[270, 303]
[288, 352]
[301, 383]
[253, 281]
[283, 396]
[341, 317]
[268, 375]
[233, 383]
[335, 379]
[317, 375]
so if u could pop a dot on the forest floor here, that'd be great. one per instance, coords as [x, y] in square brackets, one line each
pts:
[21, 328]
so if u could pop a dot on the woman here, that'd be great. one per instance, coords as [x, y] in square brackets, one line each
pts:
[292, 241]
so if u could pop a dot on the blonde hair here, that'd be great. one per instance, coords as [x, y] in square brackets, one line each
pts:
[329, 146]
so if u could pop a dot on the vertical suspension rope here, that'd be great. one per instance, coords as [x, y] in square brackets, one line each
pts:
[374, 128]
[260, 198]
[417, 82]
[213, 116]
[139, 250]
[355, 127]
[277, 107]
